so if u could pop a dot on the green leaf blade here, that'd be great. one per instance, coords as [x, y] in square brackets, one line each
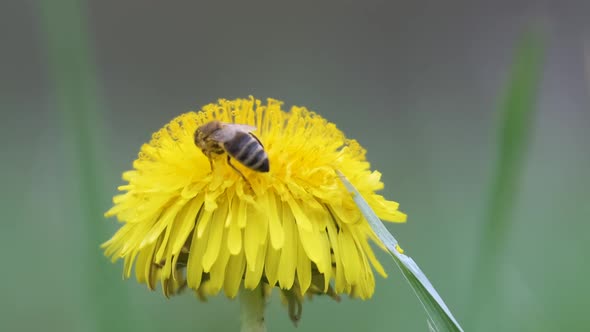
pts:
[440, 317]
[516, 110]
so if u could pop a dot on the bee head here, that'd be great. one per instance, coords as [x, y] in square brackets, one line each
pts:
[204, 131]
[208, 128]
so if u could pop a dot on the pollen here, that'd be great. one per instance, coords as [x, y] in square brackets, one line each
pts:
[187, 225]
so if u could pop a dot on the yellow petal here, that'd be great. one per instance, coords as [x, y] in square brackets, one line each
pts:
[277, 235]
[217, 229]
[350, 258]
[288, 261]
[194, 268]
[303, 270]
[302, 220]
[187, 220]
[234, 240]
[233, 274]
[254, 273]
[217, 273]
[271, 265]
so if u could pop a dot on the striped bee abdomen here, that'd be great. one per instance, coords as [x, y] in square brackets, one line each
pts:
[248, 150]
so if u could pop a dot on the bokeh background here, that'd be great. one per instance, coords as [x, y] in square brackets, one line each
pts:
[419, 83]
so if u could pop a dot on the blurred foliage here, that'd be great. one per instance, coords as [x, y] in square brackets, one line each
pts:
[72, 70]
[517, 114]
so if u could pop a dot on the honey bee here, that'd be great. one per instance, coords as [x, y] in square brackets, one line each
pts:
[236, 140]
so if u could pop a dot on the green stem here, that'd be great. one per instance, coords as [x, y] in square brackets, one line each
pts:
[252, 303]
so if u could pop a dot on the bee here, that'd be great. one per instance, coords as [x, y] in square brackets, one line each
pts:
[236, 140]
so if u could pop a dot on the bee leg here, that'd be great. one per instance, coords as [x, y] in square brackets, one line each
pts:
[234, 167]
[210, 161]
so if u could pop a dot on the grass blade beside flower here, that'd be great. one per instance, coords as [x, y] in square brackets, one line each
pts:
[440, 317]
[104, 303]
[517, 111]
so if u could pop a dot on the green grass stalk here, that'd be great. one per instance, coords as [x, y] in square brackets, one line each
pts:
[517, 114]
[72, 75]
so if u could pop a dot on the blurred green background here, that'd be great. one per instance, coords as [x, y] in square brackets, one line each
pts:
[422, 85]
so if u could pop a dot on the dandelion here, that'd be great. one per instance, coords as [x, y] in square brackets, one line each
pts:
[187, 224]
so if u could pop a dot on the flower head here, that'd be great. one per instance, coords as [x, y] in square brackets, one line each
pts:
[188, 224]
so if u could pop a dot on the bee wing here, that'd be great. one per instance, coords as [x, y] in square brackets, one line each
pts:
[229, 130]
[242, 127]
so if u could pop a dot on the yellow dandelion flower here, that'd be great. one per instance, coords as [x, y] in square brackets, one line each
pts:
[188, 224]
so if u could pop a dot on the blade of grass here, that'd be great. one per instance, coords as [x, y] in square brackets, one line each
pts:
[517, 110]
[72, 74]
[440, 317]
